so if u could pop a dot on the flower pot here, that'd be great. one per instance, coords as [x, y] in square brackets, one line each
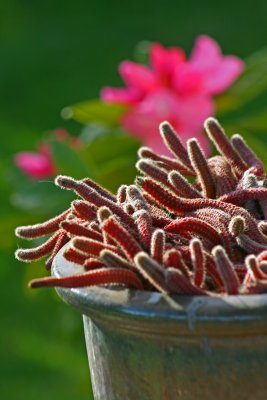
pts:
[147, 346]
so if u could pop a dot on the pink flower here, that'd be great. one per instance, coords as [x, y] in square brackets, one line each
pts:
[174, 89]
[186, 116]
[207, 71]
[37, 165]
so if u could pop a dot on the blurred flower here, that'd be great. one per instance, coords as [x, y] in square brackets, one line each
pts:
[174, 89]
[36, 165]
[39, 165]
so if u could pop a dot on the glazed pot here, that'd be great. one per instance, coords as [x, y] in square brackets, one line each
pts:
[148, 346]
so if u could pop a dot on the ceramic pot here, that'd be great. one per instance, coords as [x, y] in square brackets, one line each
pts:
[147, 346]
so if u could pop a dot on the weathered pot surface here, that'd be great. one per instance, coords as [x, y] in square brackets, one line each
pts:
[149, 346]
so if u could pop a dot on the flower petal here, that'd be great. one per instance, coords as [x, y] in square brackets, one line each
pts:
[207, 72]
[164, 61]
[35, 165]
[223, 75]
[138, 76]
[120, 95]
[186, 116]
[187, 80]
[206, 53]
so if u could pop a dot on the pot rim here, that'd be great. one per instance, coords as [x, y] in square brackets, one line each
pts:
[182, 315]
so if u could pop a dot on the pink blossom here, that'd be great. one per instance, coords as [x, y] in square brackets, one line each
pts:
[207, 71]
[174, 89]
[38, 165]
[185, 115]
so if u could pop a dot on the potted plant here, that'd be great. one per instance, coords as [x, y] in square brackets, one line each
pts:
[176, 265]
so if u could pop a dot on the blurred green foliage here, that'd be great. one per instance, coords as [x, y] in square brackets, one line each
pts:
[58, 53]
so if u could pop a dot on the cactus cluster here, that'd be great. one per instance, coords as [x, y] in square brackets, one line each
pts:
[189, 225]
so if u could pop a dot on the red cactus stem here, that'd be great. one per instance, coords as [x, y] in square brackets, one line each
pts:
[223, 177]
[128, 208]
[180, 284]
[249, 180]
[159, 221]
[180, 185]
[165, 162]
[161, 196]
[180, 206]
[173, 143]
[144, 225]
[263, 203]
[148, 168]
[42, 229]
[136, 198]
[74, 256]
[113, 260]
[237, 226]
[103, 213]
[95, 198]
[218, 218]
[256, 287]
[93, 263]
[223, 145]
[241, 271]
[95, 227]
[198, 261]
[201, 168]
[121, 194]
[102, 276]
[262, 256]
[99, 189]
[76, 229]
[250, 245]
[151, 271]
[61, 241]
[173, 258]
[247, 154]
[212, 271]
[84, 209]
[239, 197]
[226, 270]
[220, 221]
[157, 247]
[90, 246]
[263, 266]
[122, 237]
[194, 225]
[254, 270]
[36, 253]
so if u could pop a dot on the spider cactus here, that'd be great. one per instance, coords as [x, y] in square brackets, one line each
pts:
[189, 225]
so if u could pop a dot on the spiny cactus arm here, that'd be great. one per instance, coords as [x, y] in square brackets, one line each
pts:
[180, 185]
[247, 154]
[199, 262]
[157, 247]
[122, 237]
[174, 144]
[45, 228]
[201, 169]
[28, 255]
[223, 145]
[151, 271]
[196, 226]
[226, 270]
[180, 284]
[76, 229]
[103, 276]
[145, 228]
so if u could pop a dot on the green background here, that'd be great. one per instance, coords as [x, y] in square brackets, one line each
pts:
[56, 53]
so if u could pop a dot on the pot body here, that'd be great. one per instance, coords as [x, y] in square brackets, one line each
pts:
[146, 346]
